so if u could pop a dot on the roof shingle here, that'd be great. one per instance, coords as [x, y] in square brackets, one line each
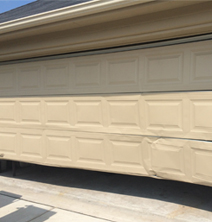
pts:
[37, 7]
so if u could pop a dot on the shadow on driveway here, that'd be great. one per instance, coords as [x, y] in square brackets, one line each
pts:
[186, 194]
[21, 214]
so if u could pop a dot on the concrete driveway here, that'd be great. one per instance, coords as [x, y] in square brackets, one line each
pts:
[40, 193]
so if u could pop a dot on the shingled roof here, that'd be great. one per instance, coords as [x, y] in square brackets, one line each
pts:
[37, 7]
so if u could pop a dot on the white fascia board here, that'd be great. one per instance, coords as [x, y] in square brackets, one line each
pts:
[76, 11]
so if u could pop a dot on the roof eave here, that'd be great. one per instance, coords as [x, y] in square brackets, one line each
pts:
[71, 12]
[102, 24]
[88, 9]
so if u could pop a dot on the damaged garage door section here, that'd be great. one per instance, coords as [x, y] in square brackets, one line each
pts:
[161, 158]
[143, 112]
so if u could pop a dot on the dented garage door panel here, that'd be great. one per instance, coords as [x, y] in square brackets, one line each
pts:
[143, 112]
[166, 158]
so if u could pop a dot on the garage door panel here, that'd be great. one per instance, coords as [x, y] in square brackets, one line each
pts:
[165, 114]
[201, 65]
[88, 111]
[168, 158]
[91, 151]
[181, 67]
[201, 157]
[31, 111]
[124, 111]
[87, 72]
[179, 115]
[59, 148]
[8, 111]
[56, 76]
[8, 77]
[122, 72]
[30, 78]
[163, 68]
[143, 112]
[31, 145]
[57, 111]
[9, 143]
[127, 154]
[200, 112]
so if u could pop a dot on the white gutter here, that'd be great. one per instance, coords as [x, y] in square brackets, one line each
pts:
[76, 11]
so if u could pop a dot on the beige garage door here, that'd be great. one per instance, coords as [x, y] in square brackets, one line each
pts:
[142, 112]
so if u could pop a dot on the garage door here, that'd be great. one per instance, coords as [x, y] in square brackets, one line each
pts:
[144, 112]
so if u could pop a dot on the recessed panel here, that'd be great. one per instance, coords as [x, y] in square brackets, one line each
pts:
[57, 112]
[201, 111]
[167, 158]
[87, 74]
[8, 143]
[201, 153]
[7, 80]
[123, 113]
[164, 114]
[30, 112]
[90, 151]
[201, 66]
[164, 69]
[122, 71]
[56, 76]
[29, 78]
[89, 112]
[126, 154]
[8, 111]
[58, 148]
[31, 145]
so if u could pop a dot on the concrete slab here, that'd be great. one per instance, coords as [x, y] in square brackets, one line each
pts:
[112, 197]
[14, 210]
[64, 216]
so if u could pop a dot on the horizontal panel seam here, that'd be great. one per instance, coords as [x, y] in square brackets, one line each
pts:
[44, 129]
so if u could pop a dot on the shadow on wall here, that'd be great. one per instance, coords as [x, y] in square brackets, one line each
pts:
[21, 214]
